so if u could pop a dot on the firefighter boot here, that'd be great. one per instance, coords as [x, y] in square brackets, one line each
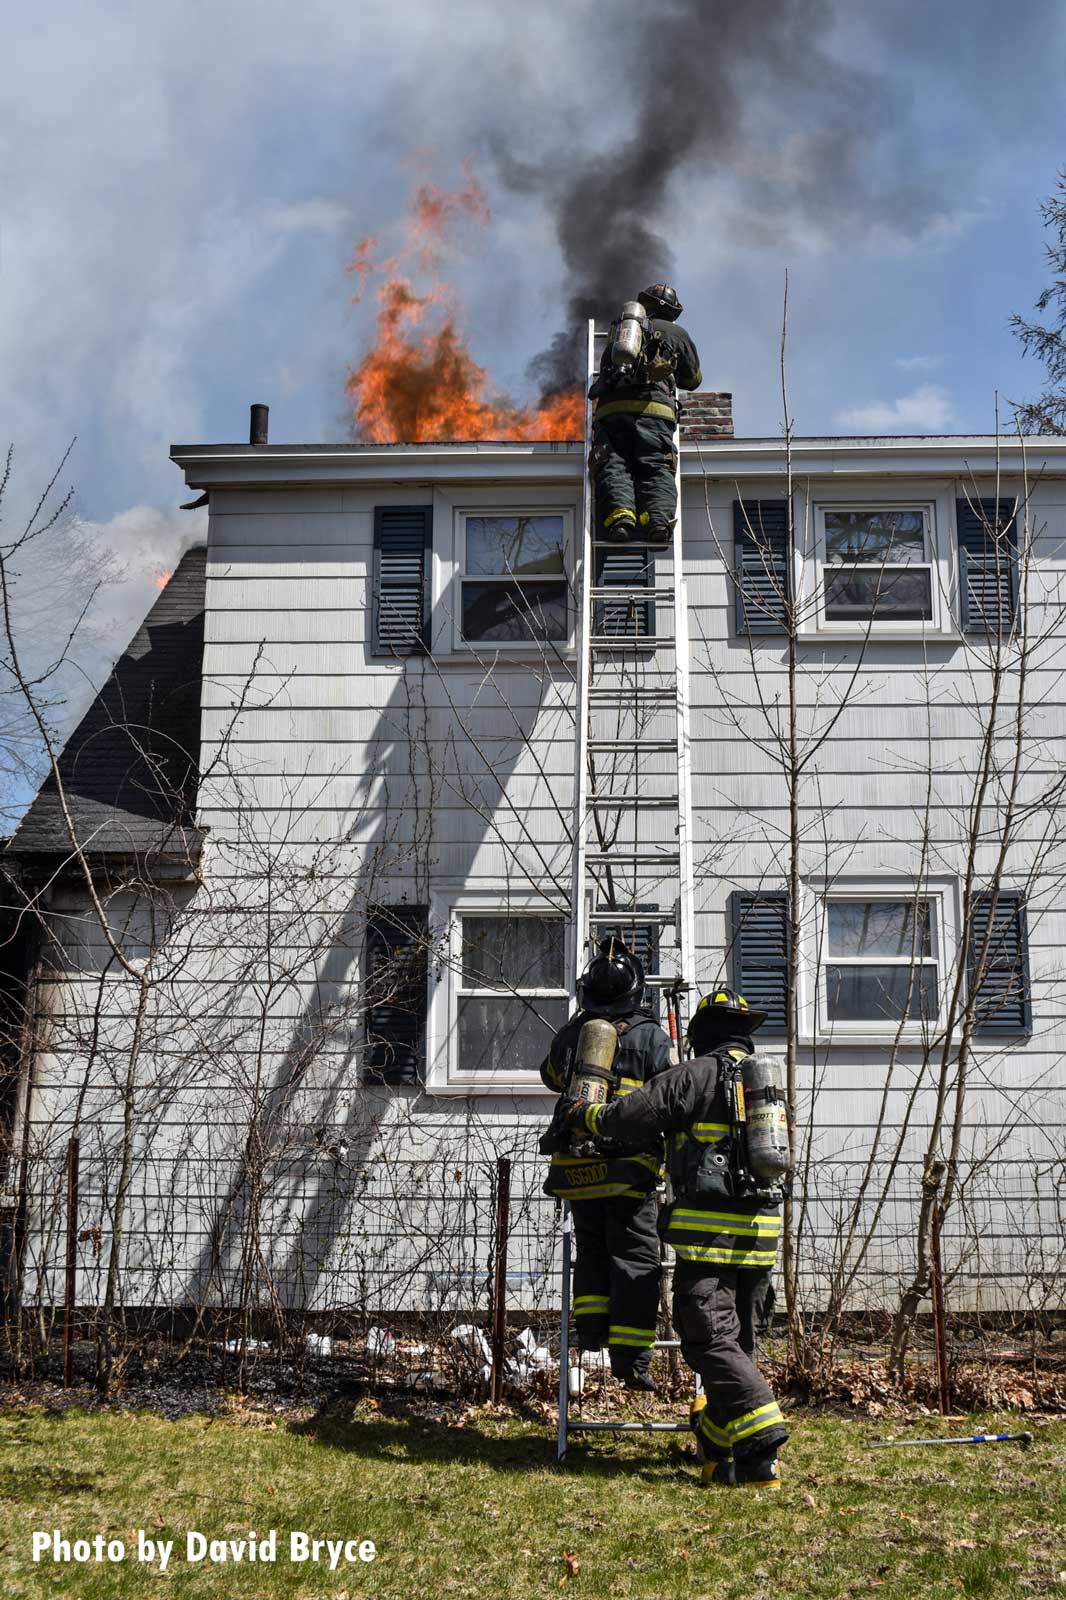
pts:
[716, 1470]
[759, 1472]
[635, 1373]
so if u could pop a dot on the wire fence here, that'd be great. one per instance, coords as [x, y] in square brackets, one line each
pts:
[413, 1271]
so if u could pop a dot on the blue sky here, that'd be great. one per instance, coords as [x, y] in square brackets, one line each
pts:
[184, 184]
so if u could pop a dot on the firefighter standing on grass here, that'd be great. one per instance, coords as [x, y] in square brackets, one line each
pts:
[724, 1239]
[633, 460]
[616, 1274]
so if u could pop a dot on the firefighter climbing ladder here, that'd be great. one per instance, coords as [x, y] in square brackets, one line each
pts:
[632, 831]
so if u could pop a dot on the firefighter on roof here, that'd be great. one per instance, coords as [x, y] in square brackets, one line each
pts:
[616, 1275]
[647, 358]
[723, 1224]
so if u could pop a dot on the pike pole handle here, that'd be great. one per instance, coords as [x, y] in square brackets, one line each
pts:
[1024, 1439]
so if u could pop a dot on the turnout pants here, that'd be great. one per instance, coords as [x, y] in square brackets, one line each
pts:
[633, 468]
[616, 1278]
[716, 1310]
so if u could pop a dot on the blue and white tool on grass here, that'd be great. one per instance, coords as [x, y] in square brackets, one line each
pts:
[1024, 1439]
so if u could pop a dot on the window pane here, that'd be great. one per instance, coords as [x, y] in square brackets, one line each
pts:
[873, 993]
[861, 592]
[498, 1035]
[879, 928]
[513, 953]
[896, 536]
[514, 546]
[515, 612]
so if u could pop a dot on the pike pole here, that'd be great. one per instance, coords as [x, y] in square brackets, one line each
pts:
[1024, 1439]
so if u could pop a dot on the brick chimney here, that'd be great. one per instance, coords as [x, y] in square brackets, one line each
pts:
[707, 414]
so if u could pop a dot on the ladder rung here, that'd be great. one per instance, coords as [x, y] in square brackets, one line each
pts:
[633, 800]
[669, 746]
[646, 641]
[631, 919]
[632, 544]
[622, 593]
[628, 1427]
[609, 858]
[646, 691]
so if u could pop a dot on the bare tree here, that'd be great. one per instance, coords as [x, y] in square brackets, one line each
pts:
[1047, 339]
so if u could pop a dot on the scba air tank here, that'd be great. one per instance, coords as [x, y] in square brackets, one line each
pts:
[766, 1118]
[628, 342]
[593, 1075]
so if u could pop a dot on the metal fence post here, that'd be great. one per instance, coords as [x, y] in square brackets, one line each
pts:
[499, 1295]
[70, 1298]
[564, 1331]
[940, 1332]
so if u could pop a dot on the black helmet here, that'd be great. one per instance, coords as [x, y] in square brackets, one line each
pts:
[661, 301]
[613, 981]
[722, 1014]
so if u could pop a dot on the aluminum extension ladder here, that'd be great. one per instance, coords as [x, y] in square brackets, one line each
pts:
[632, 829]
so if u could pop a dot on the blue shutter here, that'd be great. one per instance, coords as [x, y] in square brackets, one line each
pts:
[988, 565]
[760, 955]
[1002, 996]
[403, 541]
[396, 987]
[763, 569]
[624, 569]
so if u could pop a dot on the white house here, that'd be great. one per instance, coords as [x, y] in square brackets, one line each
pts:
[385, 760]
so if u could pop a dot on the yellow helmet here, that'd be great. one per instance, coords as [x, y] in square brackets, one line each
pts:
[722, 1011]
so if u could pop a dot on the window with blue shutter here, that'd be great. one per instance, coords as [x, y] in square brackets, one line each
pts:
[403, 542]
[760, 955]
[1001, 991]
[626, 617]
[396, 969]
[763, 565]
[988, 565]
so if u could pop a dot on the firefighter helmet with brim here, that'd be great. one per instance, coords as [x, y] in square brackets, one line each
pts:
[660, 300]
[613, 982]
[722, 1014]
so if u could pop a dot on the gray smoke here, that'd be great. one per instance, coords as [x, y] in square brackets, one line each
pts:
[751, 89]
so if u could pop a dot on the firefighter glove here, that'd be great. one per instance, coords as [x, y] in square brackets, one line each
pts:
[569, 1118]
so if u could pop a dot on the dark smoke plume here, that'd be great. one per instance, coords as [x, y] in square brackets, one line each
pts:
[713, 84]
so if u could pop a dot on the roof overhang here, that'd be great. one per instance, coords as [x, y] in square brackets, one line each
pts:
[284, 465]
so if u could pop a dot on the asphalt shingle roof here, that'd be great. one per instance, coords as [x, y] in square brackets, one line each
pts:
[130, 767]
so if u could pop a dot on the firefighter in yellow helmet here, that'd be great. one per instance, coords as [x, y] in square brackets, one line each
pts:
[724, 1235]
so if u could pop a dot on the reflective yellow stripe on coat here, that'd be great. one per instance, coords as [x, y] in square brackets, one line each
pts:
[716, 1237]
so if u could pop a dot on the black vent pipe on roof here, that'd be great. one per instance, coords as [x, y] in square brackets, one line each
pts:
[258, 426]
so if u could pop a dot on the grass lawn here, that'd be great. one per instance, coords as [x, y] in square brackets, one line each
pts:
[481, 1509]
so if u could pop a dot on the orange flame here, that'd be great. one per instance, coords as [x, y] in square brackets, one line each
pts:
[162, 579]
[420, 382]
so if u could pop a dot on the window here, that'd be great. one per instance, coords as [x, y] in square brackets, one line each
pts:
[877, 565]
[512, 992]
[513, 577]
[881, 962]
[500, 993]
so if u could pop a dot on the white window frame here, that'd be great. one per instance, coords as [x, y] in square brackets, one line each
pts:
[942, 893]
[447, 908]
[511, 647]
[941, 563]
